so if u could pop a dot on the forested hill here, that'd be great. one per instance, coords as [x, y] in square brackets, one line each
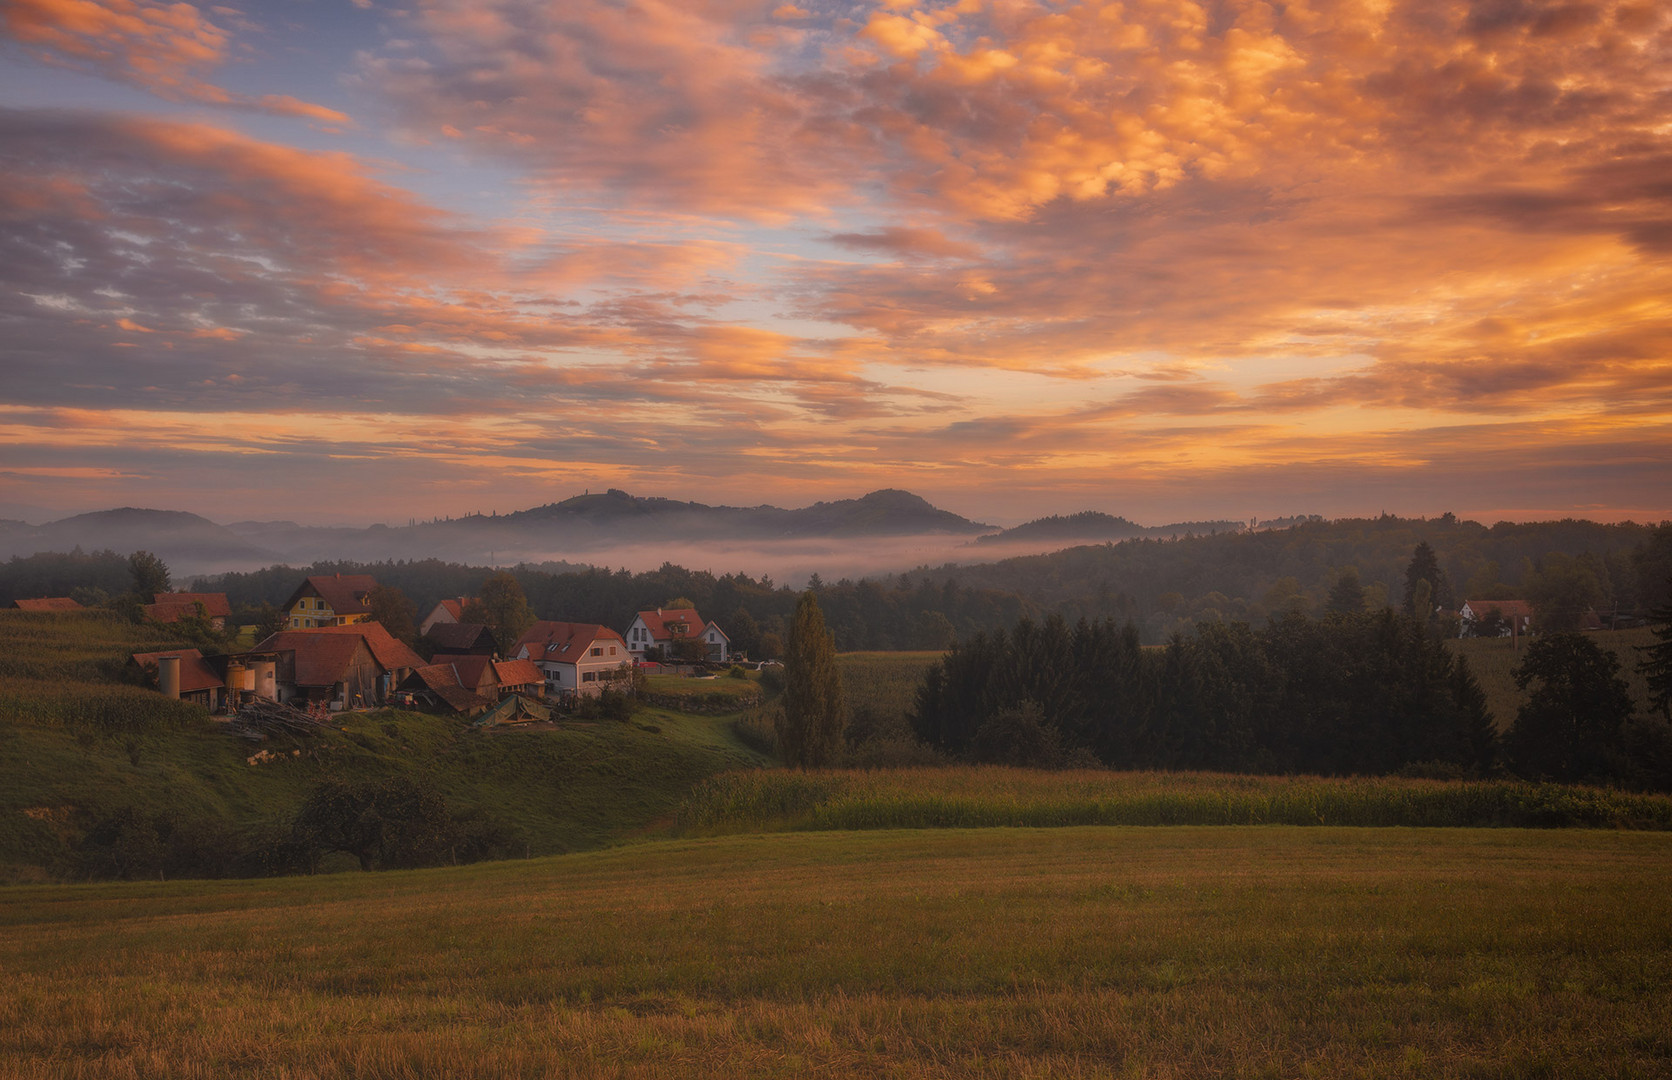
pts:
[1159, 585]
[1092, 526]
[1244, 576]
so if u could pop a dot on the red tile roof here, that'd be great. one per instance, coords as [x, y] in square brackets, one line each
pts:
[1509, 609]
[48, 603]
[518, 672]
[214, 603]
[661, 621]
[470, 667]
[390, 651]
[195, 672]
[345, 593]
[562, 641]
[321, 658]
[454, 608]
[443, 681]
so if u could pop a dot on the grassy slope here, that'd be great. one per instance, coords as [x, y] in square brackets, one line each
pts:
[67, 758]
[1062, 952]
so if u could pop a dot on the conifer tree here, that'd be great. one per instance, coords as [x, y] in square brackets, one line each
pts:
[1346, 596]
[810, 726]
[1656, 664]
[1425, 566]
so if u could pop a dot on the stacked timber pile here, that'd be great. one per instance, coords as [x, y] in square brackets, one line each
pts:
[259, 719]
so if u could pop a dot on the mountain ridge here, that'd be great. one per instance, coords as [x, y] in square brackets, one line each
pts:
[581, 524]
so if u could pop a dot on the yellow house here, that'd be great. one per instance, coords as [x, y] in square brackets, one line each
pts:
[330, 600]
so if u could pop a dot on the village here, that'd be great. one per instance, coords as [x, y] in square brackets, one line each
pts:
[332, 657]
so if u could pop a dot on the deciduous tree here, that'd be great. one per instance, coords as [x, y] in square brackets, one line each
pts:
[150, 575]
[1569, 728]
[394, 611]
[502, 607]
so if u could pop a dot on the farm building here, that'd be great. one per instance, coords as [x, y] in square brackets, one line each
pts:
[47, 603]
[184, 674]
[172, 607]
[457, 637]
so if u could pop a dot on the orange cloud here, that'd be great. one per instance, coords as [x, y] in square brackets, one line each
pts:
[165, 48]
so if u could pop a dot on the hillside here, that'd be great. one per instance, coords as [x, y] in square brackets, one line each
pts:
[79, 748]
[1092, 526]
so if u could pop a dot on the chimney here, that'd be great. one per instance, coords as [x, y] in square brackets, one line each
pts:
[168, 676]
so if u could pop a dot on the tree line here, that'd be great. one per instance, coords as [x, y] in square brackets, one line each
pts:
[1365, 693]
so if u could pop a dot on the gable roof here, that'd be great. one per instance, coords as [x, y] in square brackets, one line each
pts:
[470, 667]
[460, 636]
[172, 606]
[344, 593]
[714, 626]
[47, 603]
[660, 623]
[1509, 609]
[443, 682]
[389, 650]
[517, 672]
[454, 608]
[562, 642]
[195, 672]
[321, 658]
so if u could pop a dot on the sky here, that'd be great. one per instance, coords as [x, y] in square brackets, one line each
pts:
[339, 261]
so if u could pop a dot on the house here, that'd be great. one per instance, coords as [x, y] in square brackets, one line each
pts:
[349, 667]
[172, 607]
[576, 658]
[47, 603]
[330, 600]
[1517, 616]
[448, 611]
[462, 637]
[659, 633]
[184, 674]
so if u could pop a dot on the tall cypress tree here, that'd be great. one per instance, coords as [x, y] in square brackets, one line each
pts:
[1656, 663]
[810, 727]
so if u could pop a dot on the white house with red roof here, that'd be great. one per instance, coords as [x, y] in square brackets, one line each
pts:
[1516, 616]
[664, 628]
[447, 611]
[577, 658]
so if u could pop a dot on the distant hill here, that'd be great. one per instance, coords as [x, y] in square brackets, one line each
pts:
[179, 538]
[1092, 526]
[575, 529]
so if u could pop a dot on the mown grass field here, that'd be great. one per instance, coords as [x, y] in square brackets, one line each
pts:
[1081, 952]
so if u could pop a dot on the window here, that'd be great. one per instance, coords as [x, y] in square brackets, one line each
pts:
[589, 676]
[612, 650]
[598, 650]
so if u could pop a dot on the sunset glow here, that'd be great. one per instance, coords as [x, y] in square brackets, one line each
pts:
[356, 262]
